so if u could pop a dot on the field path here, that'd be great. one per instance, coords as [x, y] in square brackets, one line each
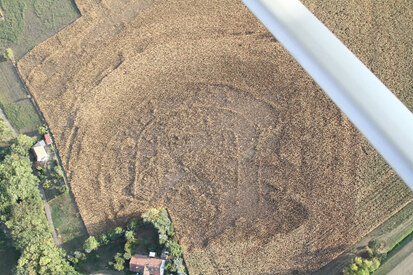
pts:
[46, 205]
[3, 116]
[49, 217]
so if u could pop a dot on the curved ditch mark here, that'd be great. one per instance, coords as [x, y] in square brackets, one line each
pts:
[108, 69]
[70, 142]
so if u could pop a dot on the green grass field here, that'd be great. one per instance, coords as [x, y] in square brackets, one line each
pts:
[396, 228]
[8, 255]
[29, 22]
[26, 24]
[13, 25]
[68, 223]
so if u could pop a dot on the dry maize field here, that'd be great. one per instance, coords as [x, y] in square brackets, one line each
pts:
[194, 106]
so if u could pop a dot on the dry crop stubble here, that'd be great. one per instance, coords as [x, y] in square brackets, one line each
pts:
[193, 106]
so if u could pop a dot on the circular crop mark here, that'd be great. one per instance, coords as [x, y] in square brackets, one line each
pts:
[206, 141]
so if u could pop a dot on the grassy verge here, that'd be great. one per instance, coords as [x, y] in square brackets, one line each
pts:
[21, 115]
[8, 255]
[395, 220]
[67, 221]
[399, 245]
[26, 24]
[13, 25]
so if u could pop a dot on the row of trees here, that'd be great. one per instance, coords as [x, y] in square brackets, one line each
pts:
[159, 218]
[119, 233]
[22, 213]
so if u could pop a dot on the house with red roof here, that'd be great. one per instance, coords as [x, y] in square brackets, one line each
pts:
[144, 265]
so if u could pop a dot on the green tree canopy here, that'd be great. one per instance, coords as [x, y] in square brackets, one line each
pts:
[44, 258]
[8, 54]
[90, 244]
[22, 211]
[5, 133]
[174, 248]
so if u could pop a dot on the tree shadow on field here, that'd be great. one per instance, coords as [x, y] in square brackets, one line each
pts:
[323, 256]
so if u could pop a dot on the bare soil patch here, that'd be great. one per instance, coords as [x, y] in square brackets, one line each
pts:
[193, 106]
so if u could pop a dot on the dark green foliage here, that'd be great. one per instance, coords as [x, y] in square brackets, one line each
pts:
[77, 258]
[374, 244]
[17, 183]
[103, 239]
[44, 258]
[160, 220]
[174, 248]
[64, 189]
[169, 265]
[22, 211]
[28, 223]
[134, 224]
[59, 172]
[111, 235]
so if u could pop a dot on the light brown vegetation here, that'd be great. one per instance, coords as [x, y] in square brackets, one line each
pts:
[193, 106]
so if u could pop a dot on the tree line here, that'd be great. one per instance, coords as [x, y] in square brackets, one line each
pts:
[22, 213]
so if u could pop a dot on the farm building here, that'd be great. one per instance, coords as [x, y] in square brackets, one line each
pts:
[40, 152]
[47, 139]
[146, 265]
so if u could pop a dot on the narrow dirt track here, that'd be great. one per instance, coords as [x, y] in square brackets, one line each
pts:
[194, 106]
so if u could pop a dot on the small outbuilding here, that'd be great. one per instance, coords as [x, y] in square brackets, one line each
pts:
[144, 265]
[47, 139]
[39, 151]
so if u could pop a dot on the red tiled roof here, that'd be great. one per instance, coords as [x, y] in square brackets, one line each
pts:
[140, 264]
[47, 139]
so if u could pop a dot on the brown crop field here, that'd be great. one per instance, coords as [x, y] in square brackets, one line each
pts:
[194, 106]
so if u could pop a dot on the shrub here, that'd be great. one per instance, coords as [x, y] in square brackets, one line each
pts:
[111, 235]
[64, 189]
[90, 244]
[59, 172]
[362, 266]
[128, 247]
[118, 231]
[42, 130]
[374, 244]
[8, 54]
[129, 235]
[174, 248]
[46, 184]
[127, 256]
[119, 264]
[134, 224]
[163, 238]
[103, 239]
